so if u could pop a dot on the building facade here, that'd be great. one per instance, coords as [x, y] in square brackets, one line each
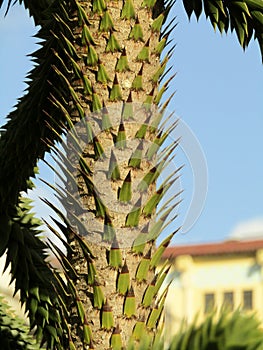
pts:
[206, 277]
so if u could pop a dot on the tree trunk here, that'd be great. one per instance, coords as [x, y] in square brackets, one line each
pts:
[112, 149]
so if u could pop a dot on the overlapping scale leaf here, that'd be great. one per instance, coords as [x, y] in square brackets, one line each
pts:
[237, 15]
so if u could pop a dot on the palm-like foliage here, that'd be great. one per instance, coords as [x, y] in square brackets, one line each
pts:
[224, 332]
[89, 50]
[14, 334]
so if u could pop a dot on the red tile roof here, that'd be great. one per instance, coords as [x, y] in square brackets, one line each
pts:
[226, 247]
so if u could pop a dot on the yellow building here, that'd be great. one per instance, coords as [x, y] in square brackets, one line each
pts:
[7, 290]
[210, 275]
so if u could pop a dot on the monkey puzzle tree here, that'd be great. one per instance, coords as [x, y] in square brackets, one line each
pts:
[97, 90]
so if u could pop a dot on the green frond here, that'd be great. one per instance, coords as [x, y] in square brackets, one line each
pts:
[220, 331]
[87, 85]
[14, 334]
[239, 14]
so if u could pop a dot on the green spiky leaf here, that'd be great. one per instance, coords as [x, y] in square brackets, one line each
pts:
[122, 63]
[137, 81]
[148, 179]
[149, 294]
[123, 281]
[106, 123]
[136, 157]
[96, 103]
[143, 267]
[129, 308]
[98, 296]
[144, 54]
[114, 171]
[115, 340]
[86, 37]
[115, 93]
[102, 75]
[125, 192]
[139, 329]
[136, 31]
[92, 57]
[157, 23]
[115, 256]
[107, 321]
[87, 334]
[108, 232]
[98, 6]
[121, 137]
[133, 218]
[112, 44]
[106, 23]
[160, 250]
[160, 71]
[128, 11]
[148, 3]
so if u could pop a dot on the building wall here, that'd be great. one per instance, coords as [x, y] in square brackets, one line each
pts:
[193, 277]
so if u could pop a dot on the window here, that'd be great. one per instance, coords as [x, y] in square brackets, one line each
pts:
[229, 300]
[247, 300]
[209, 302]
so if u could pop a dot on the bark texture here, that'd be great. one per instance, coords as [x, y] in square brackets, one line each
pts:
[115, 58]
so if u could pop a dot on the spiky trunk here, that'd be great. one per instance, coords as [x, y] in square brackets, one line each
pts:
[111, 170]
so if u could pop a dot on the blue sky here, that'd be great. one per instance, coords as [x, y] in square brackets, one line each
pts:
[218, 95]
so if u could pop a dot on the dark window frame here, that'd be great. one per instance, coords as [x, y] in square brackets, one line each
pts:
[209, 302]
[228, 300]
[248, 299]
